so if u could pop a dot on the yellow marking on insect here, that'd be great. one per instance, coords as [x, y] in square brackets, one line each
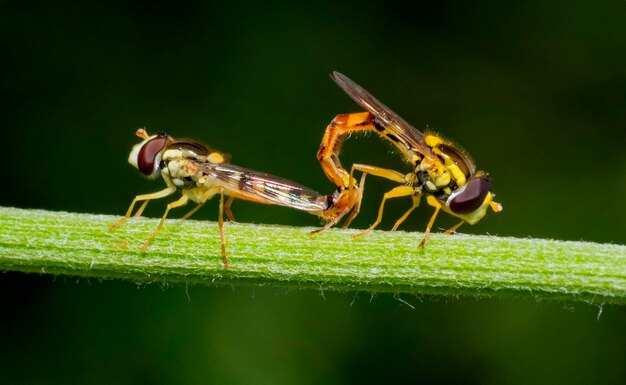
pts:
[457, 174]
[215, 158]
[432, 140]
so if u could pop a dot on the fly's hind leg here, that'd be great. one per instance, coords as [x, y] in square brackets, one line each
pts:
[180, 202]
[348, 201]
[336, 132]
[400, 191]
[356, 206]
[433, 202]
[416, 202]
[373, 170]
[210, 193]
[381, 172]
[227, 211]
[145, 197]
[220, 222]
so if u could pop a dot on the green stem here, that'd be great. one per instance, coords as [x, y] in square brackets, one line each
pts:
[188, 252]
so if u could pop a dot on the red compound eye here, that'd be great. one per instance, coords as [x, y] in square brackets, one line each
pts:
[149, 152]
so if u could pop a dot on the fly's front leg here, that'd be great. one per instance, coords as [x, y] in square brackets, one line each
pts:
[145, 197]
[453, 228]
[336, 132]
[141, 209]
[180, 202]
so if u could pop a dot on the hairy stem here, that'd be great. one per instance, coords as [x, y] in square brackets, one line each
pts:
[189, 252]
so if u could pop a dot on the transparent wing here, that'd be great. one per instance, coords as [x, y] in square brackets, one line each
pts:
[260, 187]
[409, 135]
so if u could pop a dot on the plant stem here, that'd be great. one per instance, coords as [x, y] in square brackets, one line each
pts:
[189, 252]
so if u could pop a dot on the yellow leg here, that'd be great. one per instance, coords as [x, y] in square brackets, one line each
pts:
[210, 193]
[416, 203]
[141, 209]
[229, 214]
[145, 197]
[374, 170]
[180, 202]
[400, 191]
[220, 223]
[453, 228]
[381, 172]
[433, 202]
[192, 211]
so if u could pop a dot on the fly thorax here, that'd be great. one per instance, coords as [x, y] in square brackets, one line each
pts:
[183, 173]
[441, 178]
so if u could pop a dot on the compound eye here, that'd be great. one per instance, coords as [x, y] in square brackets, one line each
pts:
[149, 153]
[472, 197]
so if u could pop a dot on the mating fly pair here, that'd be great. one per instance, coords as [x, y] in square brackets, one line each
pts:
[440, 171]
[200, 174]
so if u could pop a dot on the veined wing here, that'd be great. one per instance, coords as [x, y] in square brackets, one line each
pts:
[260, 187]
[403, 131]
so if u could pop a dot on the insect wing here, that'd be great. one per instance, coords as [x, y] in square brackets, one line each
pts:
[409, 135]
[256, 186]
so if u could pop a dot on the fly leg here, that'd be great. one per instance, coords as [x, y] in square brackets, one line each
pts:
[356, 205]
[192, 211]
[220, 218]
[336, 132]
[453, 228]
[220, 222]
[180, 202]
[433, 202]
[373, 170]
[355, 201]
[145, 197]
[416, 202]
[400, 191]
[229, 213]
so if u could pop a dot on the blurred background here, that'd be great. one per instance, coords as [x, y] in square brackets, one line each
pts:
[534, 91]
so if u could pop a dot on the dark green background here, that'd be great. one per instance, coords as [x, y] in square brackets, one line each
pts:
[535, 92]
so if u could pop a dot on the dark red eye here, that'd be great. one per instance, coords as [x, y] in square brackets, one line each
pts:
[472, 197]
[149, 152]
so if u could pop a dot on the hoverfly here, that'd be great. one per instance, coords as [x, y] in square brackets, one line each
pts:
[200, 174]
[442, 172]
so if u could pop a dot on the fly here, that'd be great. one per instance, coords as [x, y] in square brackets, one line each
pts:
[442, 172]
[200, 174]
